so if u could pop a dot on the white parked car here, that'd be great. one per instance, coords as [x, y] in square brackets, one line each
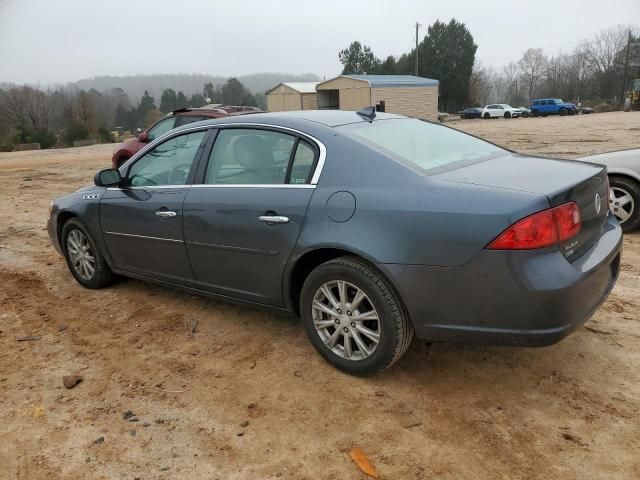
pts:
[497, 110]
[623, 168]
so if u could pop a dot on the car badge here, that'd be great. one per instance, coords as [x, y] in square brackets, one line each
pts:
[598, 203]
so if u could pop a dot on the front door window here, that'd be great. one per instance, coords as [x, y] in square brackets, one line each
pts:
[168, 163]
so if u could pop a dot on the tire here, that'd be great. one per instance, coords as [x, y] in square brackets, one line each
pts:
[625, 188]
[563, 112]
[486, 115]
[507, 114]
[525, 114]
[102, 275]
[535, 113]
[393, 327]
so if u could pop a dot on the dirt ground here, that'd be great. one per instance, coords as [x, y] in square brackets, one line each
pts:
[246, 396]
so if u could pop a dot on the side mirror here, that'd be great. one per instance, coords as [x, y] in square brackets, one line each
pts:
[109, 177]
[143, 137]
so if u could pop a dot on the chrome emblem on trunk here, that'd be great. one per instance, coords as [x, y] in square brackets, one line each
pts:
[598, 203]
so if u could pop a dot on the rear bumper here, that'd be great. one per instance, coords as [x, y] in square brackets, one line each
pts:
[525, 298]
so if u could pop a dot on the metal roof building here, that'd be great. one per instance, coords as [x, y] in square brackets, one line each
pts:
[402, 94]
[292, 96]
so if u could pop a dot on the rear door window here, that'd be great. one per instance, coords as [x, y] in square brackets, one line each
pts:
[249, 157]
[242, 156]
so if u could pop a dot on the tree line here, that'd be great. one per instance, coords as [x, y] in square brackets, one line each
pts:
[62, 115]
[592, 72]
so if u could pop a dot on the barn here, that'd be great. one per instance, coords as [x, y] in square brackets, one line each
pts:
[292, 96]
[402, 94]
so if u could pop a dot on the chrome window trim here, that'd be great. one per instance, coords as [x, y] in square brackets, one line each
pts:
[253, 185]
[314, 179]
[145, 237]
[151, 187]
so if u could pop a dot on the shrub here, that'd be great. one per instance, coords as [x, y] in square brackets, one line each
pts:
[105, 136]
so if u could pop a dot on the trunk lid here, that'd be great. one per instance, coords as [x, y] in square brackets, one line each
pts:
[561, 181]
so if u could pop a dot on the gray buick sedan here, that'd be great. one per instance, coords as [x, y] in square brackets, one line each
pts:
[369, 227]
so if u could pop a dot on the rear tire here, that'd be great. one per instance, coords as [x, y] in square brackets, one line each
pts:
[87, 265]
[335, 286]
[625, 190]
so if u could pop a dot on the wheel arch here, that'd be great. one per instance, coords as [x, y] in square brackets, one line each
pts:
[623, 174]
[311, 259]
[63, 217]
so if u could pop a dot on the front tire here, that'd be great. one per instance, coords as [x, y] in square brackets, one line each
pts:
[563, 112]
[353, 317]
[486, 115]
[87, 265]
[507, 114]
[624, 202]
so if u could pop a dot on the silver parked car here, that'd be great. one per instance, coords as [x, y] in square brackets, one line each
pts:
[623, 168]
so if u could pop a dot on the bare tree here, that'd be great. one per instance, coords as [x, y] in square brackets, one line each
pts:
[602, 49]
[533, 65]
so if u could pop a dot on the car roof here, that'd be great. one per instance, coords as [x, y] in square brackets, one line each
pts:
[328, 118]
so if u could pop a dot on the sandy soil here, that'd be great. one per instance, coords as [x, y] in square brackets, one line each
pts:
[246, 396]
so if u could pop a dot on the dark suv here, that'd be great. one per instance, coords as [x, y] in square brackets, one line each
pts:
[177, 118]
[552, 106]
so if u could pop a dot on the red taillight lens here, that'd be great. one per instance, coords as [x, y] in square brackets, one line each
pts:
[567, 219]
[541, 229]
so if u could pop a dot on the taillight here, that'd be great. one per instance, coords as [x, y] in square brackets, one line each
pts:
[541, 229]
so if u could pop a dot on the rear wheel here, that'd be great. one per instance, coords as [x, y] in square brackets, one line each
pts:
[84, 260]
[353, 317]
[624, 202]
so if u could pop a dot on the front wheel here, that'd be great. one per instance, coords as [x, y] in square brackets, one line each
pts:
[563, 112]
[535, 113]
[353, 317]
[624, 202]
[84, 260]
[486, 115]
[507, 114]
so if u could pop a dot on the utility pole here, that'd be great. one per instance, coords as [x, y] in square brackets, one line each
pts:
[626, 66]
[417, 43]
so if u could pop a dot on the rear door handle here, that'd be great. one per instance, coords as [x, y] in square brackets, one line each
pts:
[273, 219]
[164, 214]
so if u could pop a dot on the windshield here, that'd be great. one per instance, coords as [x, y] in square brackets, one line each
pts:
[422, 144]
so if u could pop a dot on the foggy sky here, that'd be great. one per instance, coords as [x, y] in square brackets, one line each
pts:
[51, 41]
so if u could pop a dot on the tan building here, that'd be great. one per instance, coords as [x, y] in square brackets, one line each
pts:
[401, 94]
[292, 96]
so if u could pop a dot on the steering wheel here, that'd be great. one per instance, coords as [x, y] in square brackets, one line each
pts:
[178, 175]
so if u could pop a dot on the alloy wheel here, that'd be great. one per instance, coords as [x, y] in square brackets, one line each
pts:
[346, 320]
[621, 203]
[81, 254]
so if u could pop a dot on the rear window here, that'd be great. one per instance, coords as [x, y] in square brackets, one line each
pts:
[429, 146]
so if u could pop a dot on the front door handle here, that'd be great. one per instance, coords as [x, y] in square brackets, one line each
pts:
[164, 214]
[273, 219]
